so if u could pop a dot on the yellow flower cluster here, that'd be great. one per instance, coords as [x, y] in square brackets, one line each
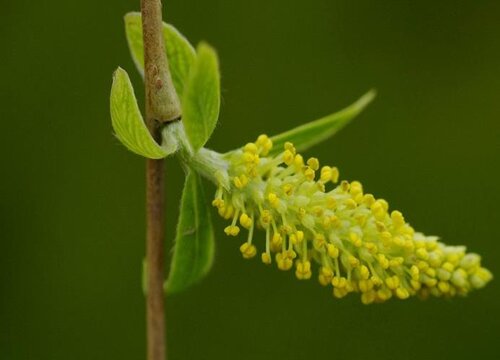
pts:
[358, 244]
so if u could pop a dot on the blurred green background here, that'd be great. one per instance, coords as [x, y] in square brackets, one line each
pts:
[72, 198]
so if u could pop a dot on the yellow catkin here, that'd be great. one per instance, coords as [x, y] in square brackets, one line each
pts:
[356, 242]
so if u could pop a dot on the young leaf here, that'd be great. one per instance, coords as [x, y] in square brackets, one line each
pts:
[180, 53]
[181, 56]
[201, 97]
[133, 32]
[312, 133]
[127, 120]
[194, 244]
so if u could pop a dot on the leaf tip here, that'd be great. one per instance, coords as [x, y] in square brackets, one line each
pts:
[364, 101]
[369, 96]
[204, 48]
[130, 16]
[119, 71]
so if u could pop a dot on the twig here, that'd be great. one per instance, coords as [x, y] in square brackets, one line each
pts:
[162, 105]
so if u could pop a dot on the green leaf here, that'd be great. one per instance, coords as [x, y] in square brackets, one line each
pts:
[127, 120]
[201, 97]
[181, 56]
[312, 133]
[194, 244]
[180, 53]
[133, 32]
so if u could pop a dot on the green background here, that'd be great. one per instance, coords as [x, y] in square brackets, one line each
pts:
[72, 198]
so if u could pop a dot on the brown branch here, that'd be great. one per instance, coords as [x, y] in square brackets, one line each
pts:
[162, 105]
[155, 312]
